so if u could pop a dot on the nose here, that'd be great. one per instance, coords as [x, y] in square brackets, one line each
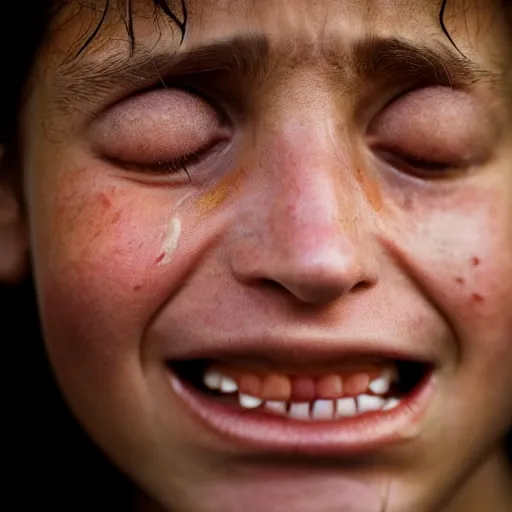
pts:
[303, 229]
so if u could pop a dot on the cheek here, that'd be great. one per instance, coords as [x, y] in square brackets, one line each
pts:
[458, 250]
[100, 247]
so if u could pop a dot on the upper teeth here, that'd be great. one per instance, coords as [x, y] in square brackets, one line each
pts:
[381, 384]
[320, 409]
[212, 380]
[228, 385]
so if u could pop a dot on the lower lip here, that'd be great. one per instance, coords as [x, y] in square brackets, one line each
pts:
[357, 436]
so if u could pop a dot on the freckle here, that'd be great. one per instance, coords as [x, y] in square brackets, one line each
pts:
[476, 262]
[477, 297]
[460, 280]
[137, 287]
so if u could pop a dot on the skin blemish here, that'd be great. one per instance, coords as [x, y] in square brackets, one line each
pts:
[460, 280]
[217, 196]
[477, 298]
[476, 262]
[105, 200]
[370, 189]
[171, 242]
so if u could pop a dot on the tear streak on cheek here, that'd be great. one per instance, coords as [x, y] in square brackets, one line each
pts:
[171, 241]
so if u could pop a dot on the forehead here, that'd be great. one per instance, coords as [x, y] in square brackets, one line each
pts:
[280, 19]
[95, 30]
[92, 44]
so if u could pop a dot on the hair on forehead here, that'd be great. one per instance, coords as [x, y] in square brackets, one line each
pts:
[177, 12]
[174, 10]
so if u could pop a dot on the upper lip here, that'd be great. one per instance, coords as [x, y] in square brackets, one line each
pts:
[305, 352]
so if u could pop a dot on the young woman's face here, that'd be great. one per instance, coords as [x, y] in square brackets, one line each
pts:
[296, 196]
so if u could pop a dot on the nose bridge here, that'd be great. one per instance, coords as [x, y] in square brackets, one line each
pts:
[309, 231]
[311, 191]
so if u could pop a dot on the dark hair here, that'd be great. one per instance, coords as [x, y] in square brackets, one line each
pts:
[64, 431]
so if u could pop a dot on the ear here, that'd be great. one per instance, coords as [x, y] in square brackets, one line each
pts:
[13, 235]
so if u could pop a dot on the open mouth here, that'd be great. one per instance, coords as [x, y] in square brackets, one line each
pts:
[360, 405]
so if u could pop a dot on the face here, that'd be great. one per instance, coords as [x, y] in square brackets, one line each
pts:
[273, 258]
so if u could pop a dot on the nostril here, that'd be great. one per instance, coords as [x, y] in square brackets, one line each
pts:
[269, 284]
[361, 286]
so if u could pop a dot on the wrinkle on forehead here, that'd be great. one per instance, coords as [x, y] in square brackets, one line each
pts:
[296, 29]
[102, 22]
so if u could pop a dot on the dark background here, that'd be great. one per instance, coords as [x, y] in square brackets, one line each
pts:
[51, 463]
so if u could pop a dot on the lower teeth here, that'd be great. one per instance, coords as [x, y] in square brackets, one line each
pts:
[319, 410]
[328, 410]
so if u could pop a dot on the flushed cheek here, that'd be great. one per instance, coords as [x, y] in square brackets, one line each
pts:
[457, 250]
[110, 253]
[456, 253]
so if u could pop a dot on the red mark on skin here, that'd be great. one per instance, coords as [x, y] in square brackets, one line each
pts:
[160, 258]
[137, 287]
[370, 189]
[460, 280]
[104, 200]
[477, 297]
[475, 262]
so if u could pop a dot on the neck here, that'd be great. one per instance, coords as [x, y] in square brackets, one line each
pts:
[489, 488]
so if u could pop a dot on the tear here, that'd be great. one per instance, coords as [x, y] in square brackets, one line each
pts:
[171, 242]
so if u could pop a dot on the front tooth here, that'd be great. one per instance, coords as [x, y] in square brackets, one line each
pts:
[345, 407]
[248, 401]
[391, 404]
[277, 407]
[228, 385]
[212, 379]
[381, 384]
[323, 410]
[299, 411]
[367, 403]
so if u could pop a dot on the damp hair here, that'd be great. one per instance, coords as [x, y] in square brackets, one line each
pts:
[36, 17]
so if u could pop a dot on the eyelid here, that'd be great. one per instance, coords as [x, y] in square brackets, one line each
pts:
[157, 126]
[434, 132]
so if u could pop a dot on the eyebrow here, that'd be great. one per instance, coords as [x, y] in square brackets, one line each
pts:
[375, 59]
[385, 59]
[78, 81]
